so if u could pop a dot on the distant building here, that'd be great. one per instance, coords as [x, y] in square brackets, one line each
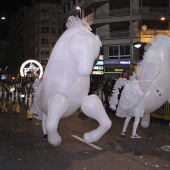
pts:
[111, 20]
[34, 31]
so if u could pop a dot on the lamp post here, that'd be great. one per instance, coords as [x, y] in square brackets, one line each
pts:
[78, 8]
[131, 40]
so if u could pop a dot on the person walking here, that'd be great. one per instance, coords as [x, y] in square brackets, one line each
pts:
[16, 100]
[4, 97]
[29, 99]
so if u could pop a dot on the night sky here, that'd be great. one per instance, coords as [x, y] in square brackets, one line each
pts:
[7, 8]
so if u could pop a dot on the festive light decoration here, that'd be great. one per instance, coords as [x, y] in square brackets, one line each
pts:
[34, 67]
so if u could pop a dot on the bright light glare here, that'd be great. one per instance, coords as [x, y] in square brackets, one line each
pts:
[3, 18]
[162, 18]
[78, 8]
[137, 44]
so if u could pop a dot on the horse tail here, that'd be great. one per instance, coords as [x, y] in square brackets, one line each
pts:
[116, 93]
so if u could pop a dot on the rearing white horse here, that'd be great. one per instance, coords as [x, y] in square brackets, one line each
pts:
[66, 81]
[149, 89]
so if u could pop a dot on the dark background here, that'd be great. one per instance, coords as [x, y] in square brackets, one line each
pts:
[7, 9]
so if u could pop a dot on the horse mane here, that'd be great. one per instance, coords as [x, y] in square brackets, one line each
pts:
[76, 21]
[152, 42]
[120, 83]
[150, 54]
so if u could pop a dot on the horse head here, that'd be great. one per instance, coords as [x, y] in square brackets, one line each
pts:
[157, 49]
[84, 46]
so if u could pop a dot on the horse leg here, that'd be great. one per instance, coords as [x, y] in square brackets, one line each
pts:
[145, 121]
[57, 106]
[93, 107]
[135, 126]
[44, 118]
[126, 123]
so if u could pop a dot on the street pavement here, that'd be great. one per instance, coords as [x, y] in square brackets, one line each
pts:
[22, 147]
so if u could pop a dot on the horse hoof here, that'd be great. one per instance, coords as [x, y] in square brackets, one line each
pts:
[144, 124]
[87, 138]
[54, 140]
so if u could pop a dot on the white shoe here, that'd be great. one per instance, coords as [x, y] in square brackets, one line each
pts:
[135, 136]
[122, 134]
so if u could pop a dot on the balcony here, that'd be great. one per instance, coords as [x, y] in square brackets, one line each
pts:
[105, 14]
[123, 36]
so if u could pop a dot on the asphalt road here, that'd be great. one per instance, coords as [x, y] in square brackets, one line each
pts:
[22, 147]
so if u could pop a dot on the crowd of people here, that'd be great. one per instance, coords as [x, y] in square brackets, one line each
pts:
[23, 93]
[16, 94]
[103, 89]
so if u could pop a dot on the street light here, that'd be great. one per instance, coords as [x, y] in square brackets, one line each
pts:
[78, 8]
[3, 18]
[161, 19]
[137, 44]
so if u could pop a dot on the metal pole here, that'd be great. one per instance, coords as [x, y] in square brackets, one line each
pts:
[80, 14]
[131, 40]
[155, 28]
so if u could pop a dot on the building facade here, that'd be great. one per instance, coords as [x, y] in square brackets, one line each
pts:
[120, 24]
[34, 31]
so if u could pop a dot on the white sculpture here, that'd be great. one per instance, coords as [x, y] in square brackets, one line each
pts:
[66, 82]
[149, 89]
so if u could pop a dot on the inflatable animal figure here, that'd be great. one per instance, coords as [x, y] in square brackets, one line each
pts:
[149, 88]
[37, 85]
[66, 81]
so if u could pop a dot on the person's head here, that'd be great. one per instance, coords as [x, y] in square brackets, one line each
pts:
[28, 84]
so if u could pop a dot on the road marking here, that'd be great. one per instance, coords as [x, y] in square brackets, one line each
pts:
[92, 145]
[35, 117]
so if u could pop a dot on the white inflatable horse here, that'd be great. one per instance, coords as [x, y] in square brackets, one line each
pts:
[149, 89]
[66, 82]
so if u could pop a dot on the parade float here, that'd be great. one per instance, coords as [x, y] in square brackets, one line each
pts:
[66, 80]
[147, 89]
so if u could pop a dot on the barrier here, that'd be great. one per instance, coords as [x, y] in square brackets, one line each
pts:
[163, 112]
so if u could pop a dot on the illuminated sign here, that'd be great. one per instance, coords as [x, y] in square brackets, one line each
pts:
[100, 57]
[98, 68]
[98, 62]
[97, 72]
[3, 77]
[124, 62]
[118, 69]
